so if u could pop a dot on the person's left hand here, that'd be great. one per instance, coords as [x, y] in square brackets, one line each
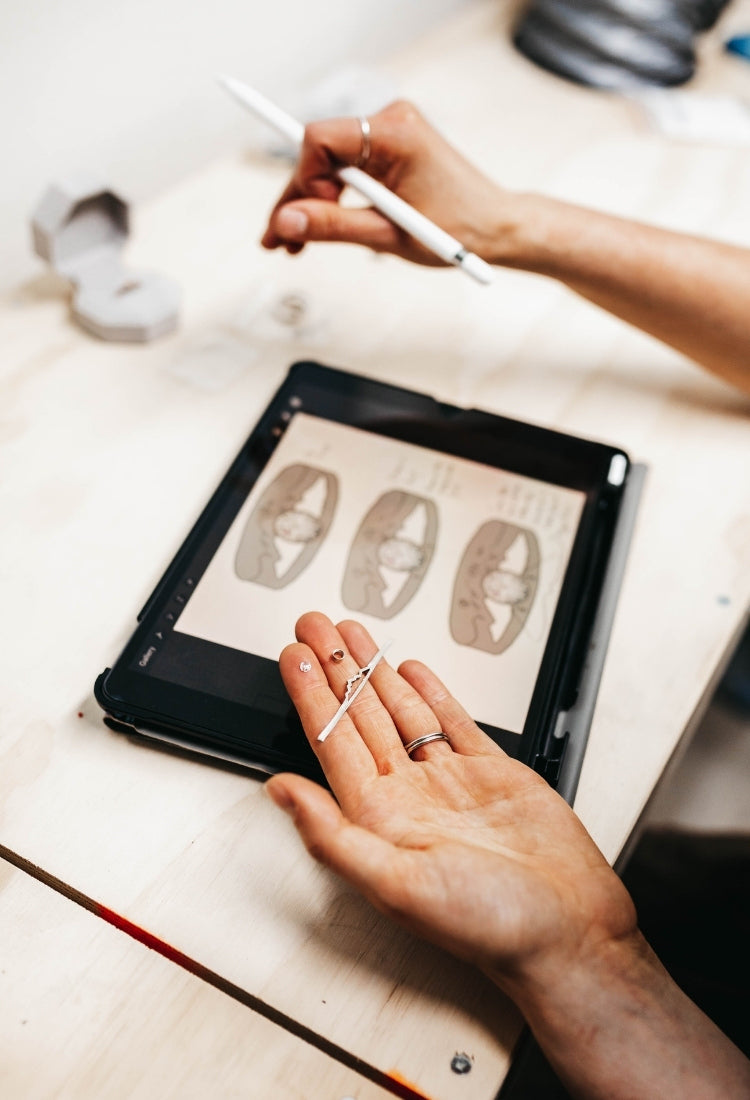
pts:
[458, 842]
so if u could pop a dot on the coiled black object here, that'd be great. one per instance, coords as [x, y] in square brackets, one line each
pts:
[616, 43]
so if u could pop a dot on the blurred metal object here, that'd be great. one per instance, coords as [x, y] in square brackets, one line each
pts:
[616, 44]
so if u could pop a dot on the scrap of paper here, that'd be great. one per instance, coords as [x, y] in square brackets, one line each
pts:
[696, 116]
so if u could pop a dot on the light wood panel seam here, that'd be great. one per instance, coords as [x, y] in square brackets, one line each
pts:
[147, 939]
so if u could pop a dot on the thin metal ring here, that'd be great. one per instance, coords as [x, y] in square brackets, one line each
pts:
[364, 153]
[338, 655]
[425, 740]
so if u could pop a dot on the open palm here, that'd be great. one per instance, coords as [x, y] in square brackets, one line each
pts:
[458, 842]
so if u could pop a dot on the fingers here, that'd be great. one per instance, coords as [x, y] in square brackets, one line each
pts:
[409, 712]
[326, 190]
[386, 714]
[345, 758]
[328, 146]
[335, 143]
[392, 709]
[365, 739]
[318, 220]
[368, 713]
[361, 857]
[464, 734]
[353, 853]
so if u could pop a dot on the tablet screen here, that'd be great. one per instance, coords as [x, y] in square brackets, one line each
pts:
[460, 564]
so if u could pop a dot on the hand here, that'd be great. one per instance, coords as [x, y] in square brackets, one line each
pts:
[474, 851]
[411, 159]
[691, 293]
[459, 843]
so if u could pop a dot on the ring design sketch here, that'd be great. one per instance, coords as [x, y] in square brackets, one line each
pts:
[287, 526]
[426, 739]
[390, 554]
[495, 586]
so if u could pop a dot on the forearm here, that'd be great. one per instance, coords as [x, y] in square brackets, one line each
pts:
[617, 1027]
[692, 293]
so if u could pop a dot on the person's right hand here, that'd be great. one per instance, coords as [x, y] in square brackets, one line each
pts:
[413, 161]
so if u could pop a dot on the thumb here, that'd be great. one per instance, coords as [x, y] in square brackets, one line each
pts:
[307, 803]
[365, 860]
[320, 220]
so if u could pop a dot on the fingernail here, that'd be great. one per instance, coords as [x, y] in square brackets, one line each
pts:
[291, 223]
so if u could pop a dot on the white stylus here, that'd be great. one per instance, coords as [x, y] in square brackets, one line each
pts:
[394, 208]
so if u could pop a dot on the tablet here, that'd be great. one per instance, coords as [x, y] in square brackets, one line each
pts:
[475, 543]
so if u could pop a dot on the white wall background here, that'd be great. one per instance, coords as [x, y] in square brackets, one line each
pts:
[127, 88]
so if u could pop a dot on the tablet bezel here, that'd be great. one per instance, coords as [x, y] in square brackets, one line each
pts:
[266, 731]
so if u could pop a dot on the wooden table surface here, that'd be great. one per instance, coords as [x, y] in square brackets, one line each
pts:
[109, 452]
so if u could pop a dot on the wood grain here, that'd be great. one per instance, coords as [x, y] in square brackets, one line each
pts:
[88, 1013]
[108, 453]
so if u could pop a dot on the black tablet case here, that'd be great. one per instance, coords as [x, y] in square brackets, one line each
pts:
[562, 758]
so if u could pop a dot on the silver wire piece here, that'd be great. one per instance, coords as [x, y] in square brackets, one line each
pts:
[353, 687]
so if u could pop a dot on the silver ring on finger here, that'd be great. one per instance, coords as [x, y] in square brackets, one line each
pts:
[425, 739]
[366, 148]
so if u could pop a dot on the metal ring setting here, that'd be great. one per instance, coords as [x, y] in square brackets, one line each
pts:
[425, 740]
[338, 655]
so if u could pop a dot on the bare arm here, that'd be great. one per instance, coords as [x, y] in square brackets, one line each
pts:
[692, 293]
[475, 852]
[617, 1026]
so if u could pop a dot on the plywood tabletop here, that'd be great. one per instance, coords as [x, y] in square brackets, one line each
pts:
[109, 452]
[87, 1013]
